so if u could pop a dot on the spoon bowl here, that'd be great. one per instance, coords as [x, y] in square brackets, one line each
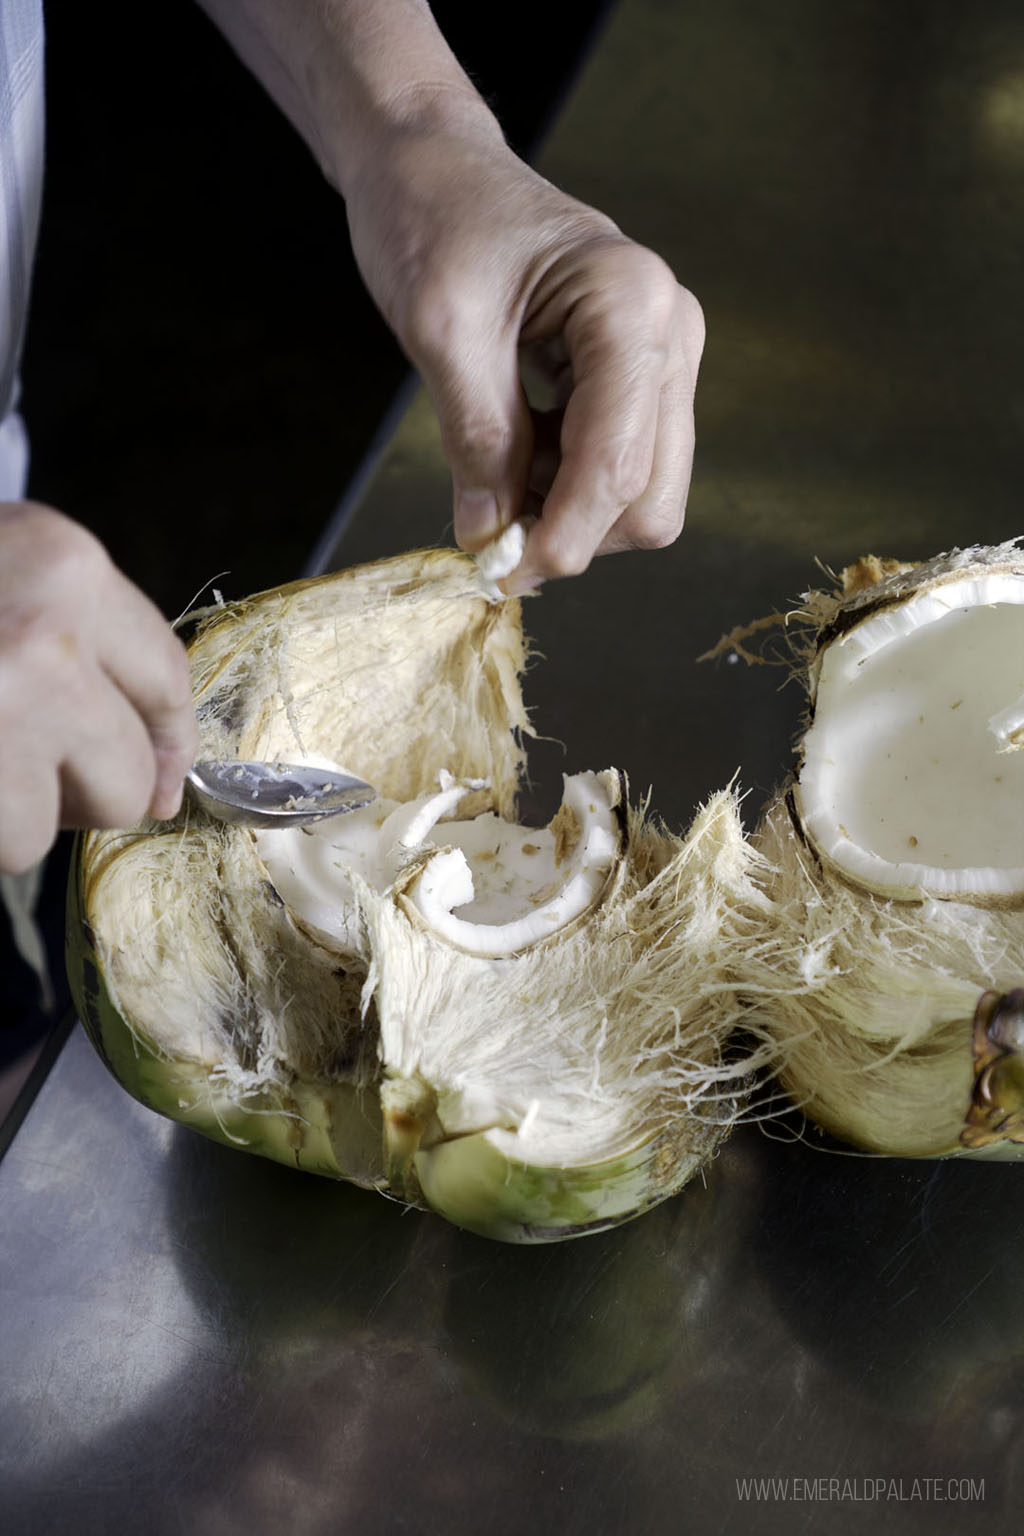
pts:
[274, 794]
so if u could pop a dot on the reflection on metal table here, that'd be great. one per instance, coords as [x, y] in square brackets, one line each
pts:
[195, 1340]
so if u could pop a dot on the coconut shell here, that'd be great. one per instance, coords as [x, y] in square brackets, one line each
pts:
[600, 1053]
[896, 1019]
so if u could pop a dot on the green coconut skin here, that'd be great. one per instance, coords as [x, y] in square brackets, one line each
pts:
[212, 1004]
[336, 1130]
[331, 1131]
[329, 1128]
[870, 989]
[477, 1185]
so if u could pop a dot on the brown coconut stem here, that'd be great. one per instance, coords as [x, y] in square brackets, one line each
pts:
[997, 1098]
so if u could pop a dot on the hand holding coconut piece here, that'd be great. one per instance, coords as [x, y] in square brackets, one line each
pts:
[489, 275]
[96, 718]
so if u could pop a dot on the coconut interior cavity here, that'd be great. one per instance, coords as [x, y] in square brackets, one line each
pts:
[911, 780]
[488, 886]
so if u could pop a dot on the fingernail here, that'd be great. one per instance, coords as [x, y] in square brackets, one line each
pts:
[476, 517]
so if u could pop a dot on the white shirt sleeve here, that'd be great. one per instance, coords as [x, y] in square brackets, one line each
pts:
[21, 180]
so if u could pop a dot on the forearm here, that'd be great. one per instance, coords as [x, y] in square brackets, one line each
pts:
[471, 256]
[350, 74]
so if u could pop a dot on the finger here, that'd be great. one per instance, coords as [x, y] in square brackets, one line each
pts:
[471, 372]
[148, 664]
[655, 519]
[633, 493]
[107, 768]
[607, 454]
[88, 760]
[30, 813]
[620, 353]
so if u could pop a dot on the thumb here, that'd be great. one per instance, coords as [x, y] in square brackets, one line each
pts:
[487, 436]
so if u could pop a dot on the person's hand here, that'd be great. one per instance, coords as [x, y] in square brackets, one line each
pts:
[97, 725]
[480, 265]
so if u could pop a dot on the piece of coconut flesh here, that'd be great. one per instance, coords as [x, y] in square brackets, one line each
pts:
[912, 778]
[484, 885]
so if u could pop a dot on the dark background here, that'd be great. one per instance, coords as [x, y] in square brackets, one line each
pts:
[204, 371]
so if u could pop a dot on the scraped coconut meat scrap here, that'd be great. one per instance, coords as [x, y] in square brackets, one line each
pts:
[486, 886]
[912, 780]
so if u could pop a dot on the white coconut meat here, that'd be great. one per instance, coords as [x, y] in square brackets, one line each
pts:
[488, 886]
[912, 778]
[890, 971]
[539, 1005]
[600, 1044]
[527, 1029]
[501, 557]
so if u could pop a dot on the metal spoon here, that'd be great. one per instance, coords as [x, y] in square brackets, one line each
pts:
[274, 794]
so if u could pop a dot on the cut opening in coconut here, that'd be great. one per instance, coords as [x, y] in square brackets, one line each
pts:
[486, 885]
[526, 1029]
[891, 972]
[912, 776]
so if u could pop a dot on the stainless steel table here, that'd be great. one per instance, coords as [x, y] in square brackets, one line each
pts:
[194, 1341]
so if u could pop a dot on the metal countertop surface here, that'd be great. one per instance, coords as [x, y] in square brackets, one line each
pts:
[194, 1340]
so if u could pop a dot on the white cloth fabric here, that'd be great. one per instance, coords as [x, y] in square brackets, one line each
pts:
[21, 181]
[13, 456]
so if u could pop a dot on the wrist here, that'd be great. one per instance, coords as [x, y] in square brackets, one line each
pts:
[372, 138]
[353, 76]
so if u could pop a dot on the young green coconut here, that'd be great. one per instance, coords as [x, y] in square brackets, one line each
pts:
[893, 972]
[524, 1029]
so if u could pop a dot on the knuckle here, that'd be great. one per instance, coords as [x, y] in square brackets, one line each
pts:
[694, 325]
[654, 534]
[38, 660]
[563, 563]
[443, 315]
[652, 526]
[670, 315]
[429, 321]
[470, 436]
[657, 291]
[659, 279]
[69, 552]
[50, 553]
[561, 556]
[618, 472]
